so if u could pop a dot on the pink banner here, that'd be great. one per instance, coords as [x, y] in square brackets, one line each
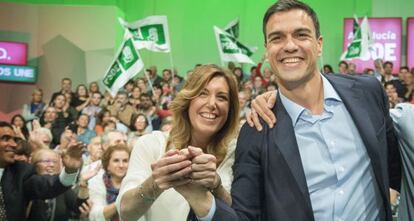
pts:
[386, 34]
[410, 43]
[14, 53]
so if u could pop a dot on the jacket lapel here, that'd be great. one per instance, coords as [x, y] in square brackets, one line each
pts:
[285, 140]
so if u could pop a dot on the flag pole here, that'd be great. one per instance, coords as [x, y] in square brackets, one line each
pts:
[172, 69]
[149, 82]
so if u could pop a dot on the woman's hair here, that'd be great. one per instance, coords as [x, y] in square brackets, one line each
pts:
[100, 116]
[134, 118]
[38, 154]
[58, 95]
[37, 90]
[86, 90]
[180, 135]
[24, 129]
[106, 156]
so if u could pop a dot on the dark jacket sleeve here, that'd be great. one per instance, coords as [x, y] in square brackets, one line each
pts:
[247, 187]
[42, 187]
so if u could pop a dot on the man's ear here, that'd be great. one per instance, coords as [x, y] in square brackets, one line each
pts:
[320, 45]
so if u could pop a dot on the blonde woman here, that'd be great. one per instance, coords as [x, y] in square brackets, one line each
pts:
[171, 173]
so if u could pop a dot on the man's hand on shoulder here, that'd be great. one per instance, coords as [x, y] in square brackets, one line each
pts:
[262, 106]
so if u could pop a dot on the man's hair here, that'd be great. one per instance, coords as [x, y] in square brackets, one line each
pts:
[93, 93]
[343, 62]
[287, 5]
[144, 95]
[5, 124]
[169, 70]
[83, 114]
[404, 67]
[388, 83]
[122, 92]
[66, 79]
[388, 63]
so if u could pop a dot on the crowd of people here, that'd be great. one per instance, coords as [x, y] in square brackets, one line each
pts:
[163, 148]
[90, 115]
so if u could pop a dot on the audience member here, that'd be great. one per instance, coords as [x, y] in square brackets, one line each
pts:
[379, 69]
[134, 97]
[19, 126]
[343, 67]
[60, 208]
[327, 69]
[65, 87]
[104, 189]
[82, 131]
[153, 76]
[20, 183]
[121, 109]
[94, 87]
[93, 109]
[81, 98]
[34, 109]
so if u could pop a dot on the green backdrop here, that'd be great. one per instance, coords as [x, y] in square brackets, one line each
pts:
[191, 24]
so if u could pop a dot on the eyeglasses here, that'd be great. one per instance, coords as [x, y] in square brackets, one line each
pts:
[7, 138]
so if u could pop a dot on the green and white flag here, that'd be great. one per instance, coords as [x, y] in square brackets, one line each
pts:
[126, 65]
[231, 49]
[233, 28]
[361, 41]
[150, 33]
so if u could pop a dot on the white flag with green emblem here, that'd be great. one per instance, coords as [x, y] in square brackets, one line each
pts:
[150, 33]
[126, 65]
[233, 28]
[231, 49]
[361, 41]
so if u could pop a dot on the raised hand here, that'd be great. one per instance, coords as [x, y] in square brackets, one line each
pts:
[72, 157]
[91, 172]
[18, 132]
[36, 124]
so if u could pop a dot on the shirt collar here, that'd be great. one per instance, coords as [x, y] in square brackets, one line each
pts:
[295, 110]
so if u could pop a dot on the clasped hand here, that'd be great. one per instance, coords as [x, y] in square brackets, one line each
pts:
[188, 171]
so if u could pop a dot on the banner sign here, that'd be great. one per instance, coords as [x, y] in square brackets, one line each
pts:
[14, 53]
[17, 73]
[386, 34]
[410, 43]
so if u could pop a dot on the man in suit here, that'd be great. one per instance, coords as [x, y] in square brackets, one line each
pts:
[19, 182]
[332, 154]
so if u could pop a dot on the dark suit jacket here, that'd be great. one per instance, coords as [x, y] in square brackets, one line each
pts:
[66, 207]
[269, 180]
[20, 184]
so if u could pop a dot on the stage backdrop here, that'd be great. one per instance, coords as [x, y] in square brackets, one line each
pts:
[63, 41]
[386, 34]
[410, 42]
